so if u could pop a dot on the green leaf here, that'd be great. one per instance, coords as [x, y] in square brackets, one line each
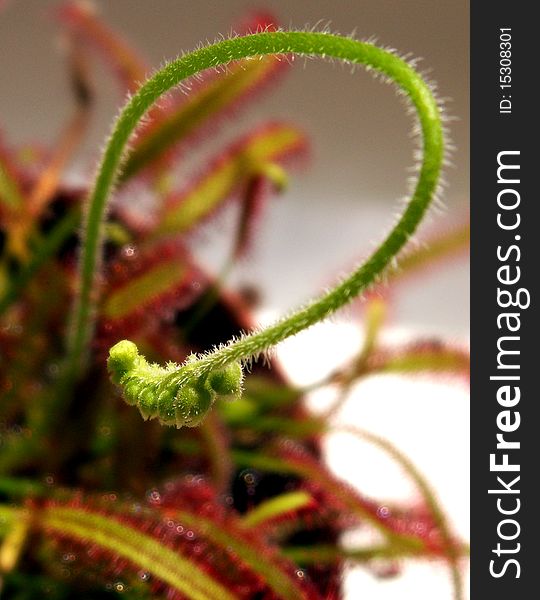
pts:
[228, 172]
[143, 289]
[267, 566]
[275, 507]
[143, 551]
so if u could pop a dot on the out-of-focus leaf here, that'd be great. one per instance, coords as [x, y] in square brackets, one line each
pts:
[144, 289]
[185, 525]
[255, 192]
[327, 554]
[420, 358]
[10, 194]
[13, 221]
[227, 174]
[276, 573]
[150, 281]
[145, 552]
[276, 507]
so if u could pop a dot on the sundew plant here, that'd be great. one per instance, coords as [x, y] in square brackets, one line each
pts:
[151, 446]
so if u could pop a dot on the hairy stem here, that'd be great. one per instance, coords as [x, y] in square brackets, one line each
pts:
[303, 43]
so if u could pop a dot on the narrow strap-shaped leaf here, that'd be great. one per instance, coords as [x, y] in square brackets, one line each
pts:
[43, 252]
[420, 358]
[262, 560]
[12, 204]
[226, 174]
[343, 495]
[253, 562]
[140, 549]
[436, 248]
[216, 442]
[211, 98]
[47, 182]
[71, 135]
[373, 321]
[156, 277]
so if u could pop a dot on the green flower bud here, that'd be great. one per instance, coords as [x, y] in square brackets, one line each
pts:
[227, 381]
[122, 358]
[191, 405]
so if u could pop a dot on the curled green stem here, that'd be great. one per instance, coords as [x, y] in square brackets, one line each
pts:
[254, 46]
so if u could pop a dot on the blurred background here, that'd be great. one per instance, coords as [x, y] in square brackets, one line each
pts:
[336, 209]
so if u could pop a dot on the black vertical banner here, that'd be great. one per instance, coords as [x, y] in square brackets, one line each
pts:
[505, 255]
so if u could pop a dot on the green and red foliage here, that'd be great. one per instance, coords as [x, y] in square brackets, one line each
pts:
[95, 501]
